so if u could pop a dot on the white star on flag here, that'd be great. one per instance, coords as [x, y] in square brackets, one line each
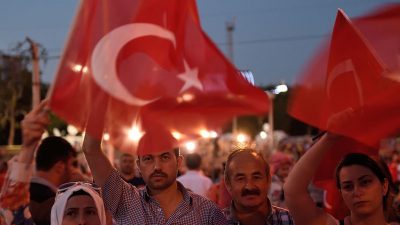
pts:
[190, 77]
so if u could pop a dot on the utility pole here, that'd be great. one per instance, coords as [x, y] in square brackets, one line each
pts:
[230, 27]
[35, 73]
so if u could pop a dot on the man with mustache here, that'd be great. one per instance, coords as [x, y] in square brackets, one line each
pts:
[248, 179]
[163, 200]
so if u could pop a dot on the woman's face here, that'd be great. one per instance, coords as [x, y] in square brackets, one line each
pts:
[81, 209]
[361, 190]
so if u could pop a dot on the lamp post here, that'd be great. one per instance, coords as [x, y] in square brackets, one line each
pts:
[271, 95]
[35, 73]
[248, 75]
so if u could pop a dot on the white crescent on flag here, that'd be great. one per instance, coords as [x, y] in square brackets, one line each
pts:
[107, 50]
[341, 68]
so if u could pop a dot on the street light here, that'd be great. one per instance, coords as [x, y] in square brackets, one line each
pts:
[248, 76]
[271, 94]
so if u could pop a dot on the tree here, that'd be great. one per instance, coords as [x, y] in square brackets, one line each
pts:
[15, 89]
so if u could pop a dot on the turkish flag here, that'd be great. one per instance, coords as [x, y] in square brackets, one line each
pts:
[148, 64]
[355, 79]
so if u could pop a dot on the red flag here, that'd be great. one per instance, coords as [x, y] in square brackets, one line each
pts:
[356, 79]
[147, 63]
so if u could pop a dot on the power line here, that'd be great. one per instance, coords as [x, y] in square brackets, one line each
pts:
[264, 40]
[278, 39]
[307, 6]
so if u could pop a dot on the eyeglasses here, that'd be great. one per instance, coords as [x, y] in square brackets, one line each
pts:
[66, 186]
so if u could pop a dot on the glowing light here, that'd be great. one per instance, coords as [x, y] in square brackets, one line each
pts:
[106, 136]
[135, 133]
[190, 146]
[79, 68]
[266, 127]
[263, 135]
[56, 132]
[72, 130]
[187, 97]
[176, 135]
[213, 134]
[241, 138]
[85, 69]
[204, 133]
[280, 89]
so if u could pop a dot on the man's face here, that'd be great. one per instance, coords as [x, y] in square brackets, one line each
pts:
[72, 172]
[159, 170]
[284, 170]
[127, 164]
[248, 182]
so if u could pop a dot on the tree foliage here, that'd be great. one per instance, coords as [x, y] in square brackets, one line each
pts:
[15, 90]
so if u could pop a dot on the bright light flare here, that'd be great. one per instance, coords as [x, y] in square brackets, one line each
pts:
[213, 134]
[176, 135]
[242, 138]
[205, 134]
[72, 130]
[185, 98]
[280, 89]
[79, 68]
[135, 133]
[208, 134]
[190, 146]
[263, 135]
[106, 136]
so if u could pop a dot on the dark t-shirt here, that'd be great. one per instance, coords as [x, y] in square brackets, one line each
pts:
[42, 199]
[136, 181]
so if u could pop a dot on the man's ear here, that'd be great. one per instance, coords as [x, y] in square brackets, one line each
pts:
[269, 181]
[228, 185]
[59, 167]
[138, 163]
[385, 187]
[179, 160]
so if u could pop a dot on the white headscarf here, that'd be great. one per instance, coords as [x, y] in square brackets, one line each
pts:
[57, 211]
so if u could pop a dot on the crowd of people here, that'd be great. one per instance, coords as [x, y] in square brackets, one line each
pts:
[147, 190]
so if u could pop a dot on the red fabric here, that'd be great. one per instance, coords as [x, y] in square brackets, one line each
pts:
[333, 201]
[169, 74]
[219, 194]
[356, 79]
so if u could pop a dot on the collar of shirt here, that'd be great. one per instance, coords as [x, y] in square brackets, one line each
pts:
[230, 213]
[187, 199]
[193, 172]
[42, 181]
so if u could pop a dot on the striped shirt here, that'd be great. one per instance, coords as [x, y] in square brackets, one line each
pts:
[277, 216]
[130, 205]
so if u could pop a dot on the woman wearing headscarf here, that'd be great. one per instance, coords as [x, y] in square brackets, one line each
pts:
[76, 202]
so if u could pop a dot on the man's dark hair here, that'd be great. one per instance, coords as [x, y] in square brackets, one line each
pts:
[52, 150]
[126, 155]
[177, 152]
[193, 161]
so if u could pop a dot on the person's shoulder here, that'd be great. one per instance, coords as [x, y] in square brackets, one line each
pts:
[39, 192]
[279, 209]
[330, 220]
[282, 213]
[199, 200]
